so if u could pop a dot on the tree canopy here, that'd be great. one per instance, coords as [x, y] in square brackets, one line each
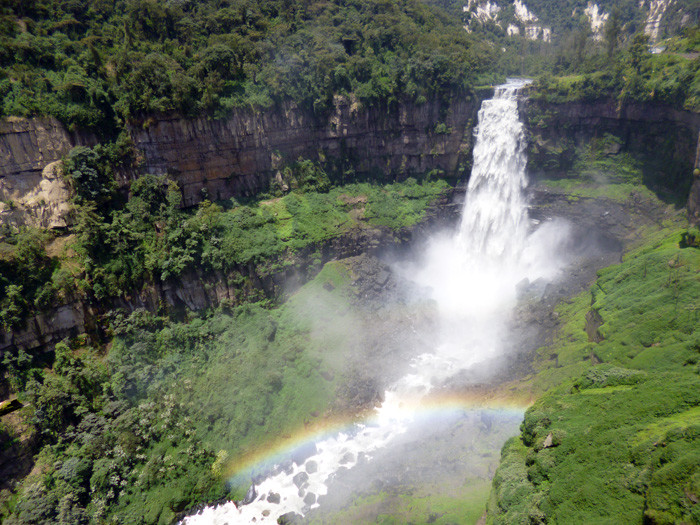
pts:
[96, 64]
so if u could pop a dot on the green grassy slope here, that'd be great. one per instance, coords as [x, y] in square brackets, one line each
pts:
[616, 438]
[159, 423]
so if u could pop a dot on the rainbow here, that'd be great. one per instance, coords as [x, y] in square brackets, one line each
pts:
[264, 457]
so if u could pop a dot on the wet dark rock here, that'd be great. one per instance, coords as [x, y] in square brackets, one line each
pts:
[300, 479]
[310, 498]
[250, 495]
[311, 467]
[291, 518]
[273, 497]
[286, 466]
[593, 322]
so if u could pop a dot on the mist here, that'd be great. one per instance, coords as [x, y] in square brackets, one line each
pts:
[467, 282]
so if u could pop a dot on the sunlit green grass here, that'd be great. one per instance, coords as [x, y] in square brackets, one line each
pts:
[623, 414]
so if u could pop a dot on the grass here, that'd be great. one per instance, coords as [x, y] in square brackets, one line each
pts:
[624, 414]
[394, 509]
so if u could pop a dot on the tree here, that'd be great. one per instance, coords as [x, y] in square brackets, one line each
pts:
[90, 176]
[612, 32]
[639, 52]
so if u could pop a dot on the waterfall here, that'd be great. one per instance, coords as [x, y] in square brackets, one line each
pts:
[472, 275]
[495, 214]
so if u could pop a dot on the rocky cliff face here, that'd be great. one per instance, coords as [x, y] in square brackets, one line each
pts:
[31, 188]
[240, 155]
[219, 159]
[195, 290]
[668, 135]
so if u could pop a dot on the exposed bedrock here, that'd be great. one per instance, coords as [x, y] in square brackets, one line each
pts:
[238, 156]
[669, 137]
[241, 154]
[197, 290]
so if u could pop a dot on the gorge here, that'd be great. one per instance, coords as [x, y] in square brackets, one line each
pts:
[222, 160]
[476, 276]
[311, 262]
[550, 156]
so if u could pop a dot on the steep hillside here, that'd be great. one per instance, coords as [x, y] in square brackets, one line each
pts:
[552, 21]
[615, 436]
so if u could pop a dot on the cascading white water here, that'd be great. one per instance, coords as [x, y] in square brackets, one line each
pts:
[495, 214]
[472, 276]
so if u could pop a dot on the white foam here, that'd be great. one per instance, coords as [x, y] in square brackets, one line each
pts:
[472, 275]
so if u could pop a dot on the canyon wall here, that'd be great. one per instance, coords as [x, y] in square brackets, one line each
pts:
[196, 290]
[217, 159]
[32, 190]
[668, 137]
[240, 155]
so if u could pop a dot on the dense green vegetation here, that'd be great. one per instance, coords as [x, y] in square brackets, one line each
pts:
[144, 431]
[97, 64]
[120, 246]
[632, 74]
[615, 438]
[618, 63]
[140, 420]
[140, 431]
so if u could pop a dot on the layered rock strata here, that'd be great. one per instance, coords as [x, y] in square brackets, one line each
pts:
[32, 190]
[240, 155]
[196, 290]
[669, 135]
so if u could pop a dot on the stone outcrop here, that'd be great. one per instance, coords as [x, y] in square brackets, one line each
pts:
[45, 329]
[240, 155]
[32, 190]
[197, 290]
[46, 205]
[663, 132]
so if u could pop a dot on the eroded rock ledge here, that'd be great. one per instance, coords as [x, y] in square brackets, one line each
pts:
[241, 154]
